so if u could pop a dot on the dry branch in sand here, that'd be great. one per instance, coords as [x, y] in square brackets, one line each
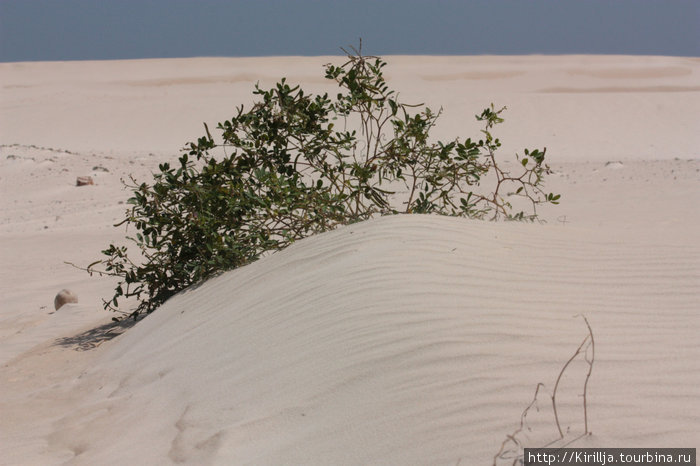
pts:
[512, 446]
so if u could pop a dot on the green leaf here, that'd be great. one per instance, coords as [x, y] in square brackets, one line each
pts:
[394, 107]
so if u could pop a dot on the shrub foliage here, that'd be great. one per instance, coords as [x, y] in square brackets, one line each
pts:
[296, 164]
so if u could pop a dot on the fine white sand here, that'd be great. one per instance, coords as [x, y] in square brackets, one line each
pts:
[402, 340]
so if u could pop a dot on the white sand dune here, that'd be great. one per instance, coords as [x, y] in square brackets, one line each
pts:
[402, 340]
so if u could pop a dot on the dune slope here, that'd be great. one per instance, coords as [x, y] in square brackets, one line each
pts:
[403, 340]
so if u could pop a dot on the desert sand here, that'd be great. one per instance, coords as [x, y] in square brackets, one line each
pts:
[401, 340]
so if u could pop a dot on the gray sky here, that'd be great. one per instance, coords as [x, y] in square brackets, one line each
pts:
[114, 29]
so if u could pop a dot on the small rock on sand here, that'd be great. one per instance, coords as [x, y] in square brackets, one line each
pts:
[615, 165]
[64, 297]
[84, 181]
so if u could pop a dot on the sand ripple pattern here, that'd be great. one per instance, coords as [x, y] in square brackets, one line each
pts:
[430, 333]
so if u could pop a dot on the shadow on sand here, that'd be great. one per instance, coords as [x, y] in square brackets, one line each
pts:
[94, 337]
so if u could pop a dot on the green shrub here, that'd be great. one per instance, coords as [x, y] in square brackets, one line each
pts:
[298, 164]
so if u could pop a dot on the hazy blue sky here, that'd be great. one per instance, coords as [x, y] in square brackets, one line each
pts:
[109, 29]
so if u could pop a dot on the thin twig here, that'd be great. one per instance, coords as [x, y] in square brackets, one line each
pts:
[511, 437]
[90, 270]
[588, 375]
[556, 385]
